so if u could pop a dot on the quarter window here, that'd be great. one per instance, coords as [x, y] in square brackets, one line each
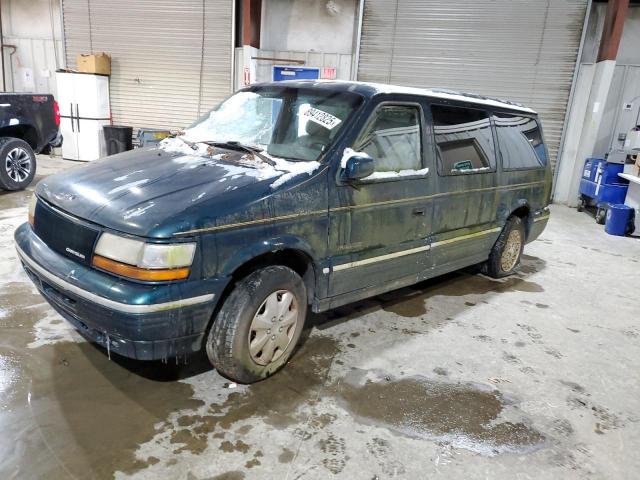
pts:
[392, 138]
[463, 138]
[520, 141]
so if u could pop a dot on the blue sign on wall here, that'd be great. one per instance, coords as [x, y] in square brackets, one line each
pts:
[295, 73]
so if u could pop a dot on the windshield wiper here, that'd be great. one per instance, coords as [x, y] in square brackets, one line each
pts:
[233, 144]
[241, 146]
[247, 148]
[187, 142]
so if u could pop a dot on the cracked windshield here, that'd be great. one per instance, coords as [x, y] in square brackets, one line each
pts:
[294, 124]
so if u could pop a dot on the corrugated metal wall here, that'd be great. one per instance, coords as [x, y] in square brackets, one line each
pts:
[34, 28]
[515, 49]
[171, 59]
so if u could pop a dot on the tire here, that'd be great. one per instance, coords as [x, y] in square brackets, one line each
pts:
[581, 204]
[243, 319]
[505, 255]
[601, 216]
[17, 164]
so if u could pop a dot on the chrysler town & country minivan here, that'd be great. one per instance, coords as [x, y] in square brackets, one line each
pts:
[287, 197]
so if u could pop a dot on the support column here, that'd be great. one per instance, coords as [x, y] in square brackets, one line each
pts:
[251, 19]
[251, 22]
[603, 76]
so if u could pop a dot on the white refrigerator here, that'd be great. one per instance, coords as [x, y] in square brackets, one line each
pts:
[84, 109]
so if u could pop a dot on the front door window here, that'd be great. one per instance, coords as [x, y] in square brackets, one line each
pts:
[392, 138]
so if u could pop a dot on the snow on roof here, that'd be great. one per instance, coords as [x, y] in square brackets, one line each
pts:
[442, 93]
[453, 95]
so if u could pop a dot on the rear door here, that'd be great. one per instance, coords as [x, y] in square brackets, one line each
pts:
[525, 175]
[464, 219]
[379, 226]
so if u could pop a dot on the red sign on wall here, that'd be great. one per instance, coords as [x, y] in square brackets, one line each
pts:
[328, 73]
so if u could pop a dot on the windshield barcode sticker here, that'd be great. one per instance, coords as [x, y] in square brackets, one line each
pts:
[322, 118]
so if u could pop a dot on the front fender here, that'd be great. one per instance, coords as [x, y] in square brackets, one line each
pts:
[271, 245]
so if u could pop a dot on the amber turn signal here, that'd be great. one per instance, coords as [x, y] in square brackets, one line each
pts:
[137, 273]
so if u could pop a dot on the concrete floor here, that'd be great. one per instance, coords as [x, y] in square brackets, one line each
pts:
[532, 377]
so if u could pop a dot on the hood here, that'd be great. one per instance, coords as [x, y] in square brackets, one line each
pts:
[151, 192]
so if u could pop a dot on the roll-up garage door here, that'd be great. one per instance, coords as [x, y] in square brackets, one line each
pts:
[171, 59]
[514, 49]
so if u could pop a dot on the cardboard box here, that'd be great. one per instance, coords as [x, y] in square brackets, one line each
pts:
[94, 63]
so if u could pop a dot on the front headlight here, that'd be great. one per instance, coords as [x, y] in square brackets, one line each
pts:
[143, 261]
[32, 208]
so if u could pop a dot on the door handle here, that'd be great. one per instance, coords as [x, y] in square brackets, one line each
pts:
[73, 129]
[418, 211]
[78, 116]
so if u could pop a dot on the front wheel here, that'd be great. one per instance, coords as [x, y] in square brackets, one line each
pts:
[17, 164]
[507, 251]
[259, 325]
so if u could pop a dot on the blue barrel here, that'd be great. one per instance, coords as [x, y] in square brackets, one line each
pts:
[619, 220]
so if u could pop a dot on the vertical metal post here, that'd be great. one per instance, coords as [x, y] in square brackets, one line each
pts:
[4, 85]
[233, 45]
[63, 36]
[613, 27]
[355, 62]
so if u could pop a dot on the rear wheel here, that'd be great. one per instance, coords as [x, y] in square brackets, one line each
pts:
[259, 325]
[507, 251]
[601, 216]
[17, 164]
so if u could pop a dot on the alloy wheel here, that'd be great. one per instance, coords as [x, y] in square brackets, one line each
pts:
[18, 164]
[511, 252]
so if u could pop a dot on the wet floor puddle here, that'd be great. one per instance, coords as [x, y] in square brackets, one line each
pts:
[73, 413]
[410, 301]
[465, 415]
[275, 401]
[94, 414]
[74, 392]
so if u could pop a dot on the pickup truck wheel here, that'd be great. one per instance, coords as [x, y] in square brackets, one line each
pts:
[507, 251]
[259, 325]
[17, 164]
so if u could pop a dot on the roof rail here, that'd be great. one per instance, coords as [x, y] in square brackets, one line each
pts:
[476, 96]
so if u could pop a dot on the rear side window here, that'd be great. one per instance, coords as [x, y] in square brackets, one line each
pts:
[392, 138]
[464, 141]
[520, 142]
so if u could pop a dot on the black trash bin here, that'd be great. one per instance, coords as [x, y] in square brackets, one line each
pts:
[118, 138]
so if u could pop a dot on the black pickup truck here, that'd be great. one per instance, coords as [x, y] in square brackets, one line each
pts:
[28, 125]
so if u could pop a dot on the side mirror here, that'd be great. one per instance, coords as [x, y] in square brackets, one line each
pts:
[358, 167]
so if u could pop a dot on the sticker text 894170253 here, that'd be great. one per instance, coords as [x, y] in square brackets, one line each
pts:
[322, 118]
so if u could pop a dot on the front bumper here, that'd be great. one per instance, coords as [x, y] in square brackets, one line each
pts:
[136, 320]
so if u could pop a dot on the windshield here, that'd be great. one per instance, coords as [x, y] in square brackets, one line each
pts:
[291, 123]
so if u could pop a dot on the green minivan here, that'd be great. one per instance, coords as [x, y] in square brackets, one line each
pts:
[286, 197]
